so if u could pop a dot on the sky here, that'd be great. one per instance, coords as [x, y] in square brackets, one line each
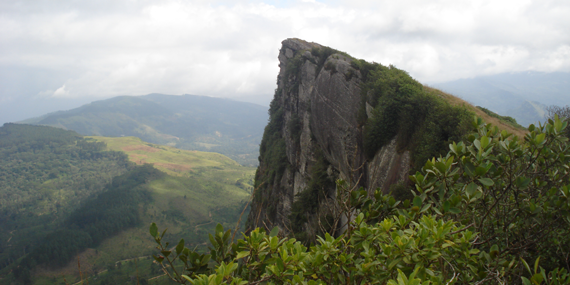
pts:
[56, 54]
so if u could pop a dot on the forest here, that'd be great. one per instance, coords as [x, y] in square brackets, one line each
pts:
[44, 175]
[99, 217]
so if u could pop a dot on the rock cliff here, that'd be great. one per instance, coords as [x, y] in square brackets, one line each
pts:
[316, 135]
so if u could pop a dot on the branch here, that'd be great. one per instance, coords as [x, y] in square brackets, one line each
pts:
[463, 229]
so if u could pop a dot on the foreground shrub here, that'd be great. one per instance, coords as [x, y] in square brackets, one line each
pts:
[479, 215]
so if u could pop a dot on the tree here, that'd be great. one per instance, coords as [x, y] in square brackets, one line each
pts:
[562, 112]
[478, 215]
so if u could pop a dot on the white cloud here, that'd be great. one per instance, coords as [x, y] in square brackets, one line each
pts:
[61, 92]
[230, 48]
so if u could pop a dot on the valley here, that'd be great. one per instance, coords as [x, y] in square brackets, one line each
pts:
[188, 122]
[195, 191]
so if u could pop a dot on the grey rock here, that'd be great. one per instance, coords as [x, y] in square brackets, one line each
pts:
[326, 101]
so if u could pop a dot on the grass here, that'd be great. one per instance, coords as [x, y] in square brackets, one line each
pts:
[455, 101]
[168, 159]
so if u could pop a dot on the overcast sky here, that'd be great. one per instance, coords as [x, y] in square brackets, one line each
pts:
[96, 49]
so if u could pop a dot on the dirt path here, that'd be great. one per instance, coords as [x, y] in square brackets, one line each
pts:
[156, 277]
[129, 259]
[116, 262]
[203, 224]
[11, 236]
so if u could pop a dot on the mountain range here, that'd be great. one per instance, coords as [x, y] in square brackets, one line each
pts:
[523, 95]
[190, 122]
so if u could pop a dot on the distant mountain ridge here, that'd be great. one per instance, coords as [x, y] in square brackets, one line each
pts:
[523, 96]
[190, 122]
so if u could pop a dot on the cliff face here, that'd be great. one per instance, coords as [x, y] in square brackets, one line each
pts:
[315, 128]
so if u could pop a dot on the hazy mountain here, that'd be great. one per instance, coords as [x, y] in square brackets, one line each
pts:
[521, 95]
[188, 122]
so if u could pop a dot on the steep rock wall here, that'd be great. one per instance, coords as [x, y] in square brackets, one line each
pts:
[314, 127]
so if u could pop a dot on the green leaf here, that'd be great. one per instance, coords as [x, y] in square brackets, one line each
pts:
[153, 230]
[242, 254]
[485, 142]
[180, 247]
[219, 228]
[394, 263]
[477, 144]
[280, 264]
[540, 138]
[526, 265]
[526, 281]
[441, 167]
[425, 208]
[494, 251]
[537, 278]
[158, 259]
[454, 210]
[449, 162]
[273, 243]
[417, 201]
[486, 181]
[446, 206]
[522, 182]
[274, 232]
[470, 189]
[227, 235]
[536, 265]
[212, 240]
[469, 168]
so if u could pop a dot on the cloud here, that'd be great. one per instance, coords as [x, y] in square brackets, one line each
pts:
[229, 48]
[61, 92]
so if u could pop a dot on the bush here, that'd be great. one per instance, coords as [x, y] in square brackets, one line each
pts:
[423, 123]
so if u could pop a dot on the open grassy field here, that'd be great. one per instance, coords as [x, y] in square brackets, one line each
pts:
[201, 190]
[455, 101]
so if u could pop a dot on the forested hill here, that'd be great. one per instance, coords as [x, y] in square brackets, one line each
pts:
[44, 175]
[100, 217]
[188, 122]
[65, 197]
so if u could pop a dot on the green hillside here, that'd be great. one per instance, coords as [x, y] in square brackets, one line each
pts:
[195, 181]
[59, 187]
[187, 122]
[44, 175]
[200, 190]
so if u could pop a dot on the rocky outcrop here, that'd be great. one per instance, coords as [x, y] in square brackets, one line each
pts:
[315, 117]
